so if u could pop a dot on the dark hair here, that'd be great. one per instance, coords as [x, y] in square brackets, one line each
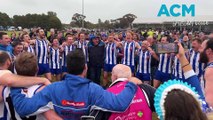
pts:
[4, 57]
[16, 43]
[180, 105]
[75, 62]
[80, 34]
[1, 35]
[209, 44]
[37, 31]
[137, 35]
[26, 64]
[55, 37]
[68, 36]
[198, 40]
[165, 37]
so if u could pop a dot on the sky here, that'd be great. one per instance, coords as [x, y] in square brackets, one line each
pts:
[145, 10]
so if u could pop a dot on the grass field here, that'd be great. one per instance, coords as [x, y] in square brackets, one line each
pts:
[17, 32]
[10, 32]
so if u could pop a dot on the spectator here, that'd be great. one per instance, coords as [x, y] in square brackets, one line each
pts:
[61, 37]
[187, 105]
[13, 36]
[141, 107]
[5, 42]
[96, 58]
[52, 35]
[206, 56]
[186, 42]
[17, 49]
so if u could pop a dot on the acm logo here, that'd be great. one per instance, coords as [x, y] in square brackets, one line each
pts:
[177, 10]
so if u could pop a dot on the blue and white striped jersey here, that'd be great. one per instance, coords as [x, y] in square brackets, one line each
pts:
[144, 65]
[67, 49]
[84, 46]
[110, 54]
[30, 49]
[196, 65]
[177, 69]
[41, 49]
[129, 53]
[54, 58]
[165, 63]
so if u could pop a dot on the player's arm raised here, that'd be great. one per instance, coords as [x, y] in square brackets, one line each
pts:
[9, 79]
[152, 51]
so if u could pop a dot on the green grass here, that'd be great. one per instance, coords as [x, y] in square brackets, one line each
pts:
[10, 32]
[17, 32]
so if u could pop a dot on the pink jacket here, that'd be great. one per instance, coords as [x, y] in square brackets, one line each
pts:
[138, 109]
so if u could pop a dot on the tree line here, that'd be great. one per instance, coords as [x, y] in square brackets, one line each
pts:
[47, 21]
[122, 22]
[50, 20]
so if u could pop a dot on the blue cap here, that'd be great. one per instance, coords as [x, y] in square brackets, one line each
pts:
[104, 35]
[91, 37]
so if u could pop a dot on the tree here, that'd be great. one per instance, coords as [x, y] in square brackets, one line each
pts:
[130, 18]
[100, 23]
[124, 22]
[51, 13]
[54, 22]
[38, 20]
[5, 20]
[77, 19]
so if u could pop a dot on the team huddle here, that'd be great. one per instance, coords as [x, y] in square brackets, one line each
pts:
[105, 51]
[76, 60]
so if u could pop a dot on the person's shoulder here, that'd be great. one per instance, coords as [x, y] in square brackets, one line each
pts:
[93, 85]
[2, 72]
[33, 89]
[208, 73]
[8, 49]
[101, 44]
[89, 44]
[57, 84]
[5, 91]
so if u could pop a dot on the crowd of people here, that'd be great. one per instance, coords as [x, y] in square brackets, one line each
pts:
[114, 60]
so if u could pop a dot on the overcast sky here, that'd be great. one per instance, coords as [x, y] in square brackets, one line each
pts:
[103, 9]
